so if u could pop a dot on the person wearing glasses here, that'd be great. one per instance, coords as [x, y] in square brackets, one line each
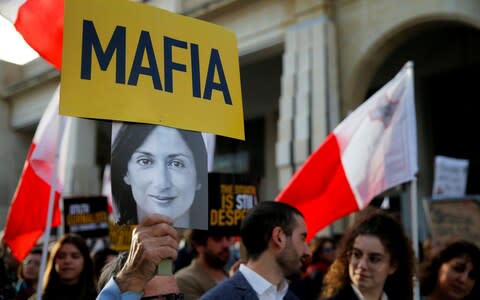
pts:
[28, 274]
[132, 275]
[374, 262]
[453, 273]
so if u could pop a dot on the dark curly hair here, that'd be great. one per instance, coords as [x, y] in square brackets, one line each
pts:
[430, 269]
[375, 222]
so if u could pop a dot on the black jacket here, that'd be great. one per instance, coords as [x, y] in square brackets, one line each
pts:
[346, 293]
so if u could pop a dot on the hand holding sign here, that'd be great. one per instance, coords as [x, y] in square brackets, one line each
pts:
[143, 64]
[153, 241]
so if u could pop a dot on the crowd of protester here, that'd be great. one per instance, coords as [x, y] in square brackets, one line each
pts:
[372, 260]
[71, 271]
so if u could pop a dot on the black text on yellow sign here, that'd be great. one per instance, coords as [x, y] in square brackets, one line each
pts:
[145, 48]
[146, 65]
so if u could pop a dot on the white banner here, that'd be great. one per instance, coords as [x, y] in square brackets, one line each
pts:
[450, 177]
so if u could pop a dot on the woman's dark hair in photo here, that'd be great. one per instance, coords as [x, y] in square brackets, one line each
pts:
[131, 136]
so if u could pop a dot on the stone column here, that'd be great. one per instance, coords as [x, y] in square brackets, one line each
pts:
[309, 99]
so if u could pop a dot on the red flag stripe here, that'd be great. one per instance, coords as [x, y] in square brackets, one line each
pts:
[326, 194]
[372, 150]
[26, 217]
[41, 24]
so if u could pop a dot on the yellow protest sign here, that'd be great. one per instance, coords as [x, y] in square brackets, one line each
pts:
[132, 62]
[120, 236]
[230, 198]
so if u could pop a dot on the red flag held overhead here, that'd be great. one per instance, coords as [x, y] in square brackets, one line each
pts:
[372, 150]
[27, 215]
[40, 22]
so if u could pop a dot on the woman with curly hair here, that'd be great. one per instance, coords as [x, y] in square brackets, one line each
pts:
[453, 273]
[375, 261]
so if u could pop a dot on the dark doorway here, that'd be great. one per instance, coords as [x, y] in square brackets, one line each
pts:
[447, 76]
[455, 119]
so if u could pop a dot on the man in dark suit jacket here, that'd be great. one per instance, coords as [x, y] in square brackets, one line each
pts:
[274, 236]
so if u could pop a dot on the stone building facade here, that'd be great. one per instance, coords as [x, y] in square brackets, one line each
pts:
[305, 64]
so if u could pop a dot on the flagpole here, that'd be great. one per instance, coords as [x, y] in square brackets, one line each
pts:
[51, 202]
[414, 229]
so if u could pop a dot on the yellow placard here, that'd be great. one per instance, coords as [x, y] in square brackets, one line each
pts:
[132, 62]
[120, 236]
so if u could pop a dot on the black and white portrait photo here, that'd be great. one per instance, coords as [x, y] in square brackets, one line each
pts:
[157, 169]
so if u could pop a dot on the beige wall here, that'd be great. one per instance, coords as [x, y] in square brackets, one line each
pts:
[367, 31]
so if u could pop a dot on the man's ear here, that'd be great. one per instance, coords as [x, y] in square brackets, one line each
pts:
[278, 237]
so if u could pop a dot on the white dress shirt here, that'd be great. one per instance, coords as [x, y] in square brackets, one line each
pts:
[265, 289]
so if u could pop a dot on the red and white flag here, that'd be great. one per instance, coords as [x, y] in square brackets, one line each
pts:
[40, 22]
[372, 150]
[27, 216]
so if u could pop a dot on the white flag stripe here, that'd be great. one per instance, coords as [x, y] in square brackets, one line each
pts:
[45, 141]
[378, 140]
[14, 48]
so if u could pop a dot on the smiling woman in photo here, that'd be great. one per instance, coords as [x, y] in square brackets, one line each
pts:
[163, 170]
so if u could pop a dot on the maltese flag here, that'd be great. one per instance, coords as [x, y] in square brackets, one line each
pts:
[40, 22]
[27, 216]
[372, 150]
